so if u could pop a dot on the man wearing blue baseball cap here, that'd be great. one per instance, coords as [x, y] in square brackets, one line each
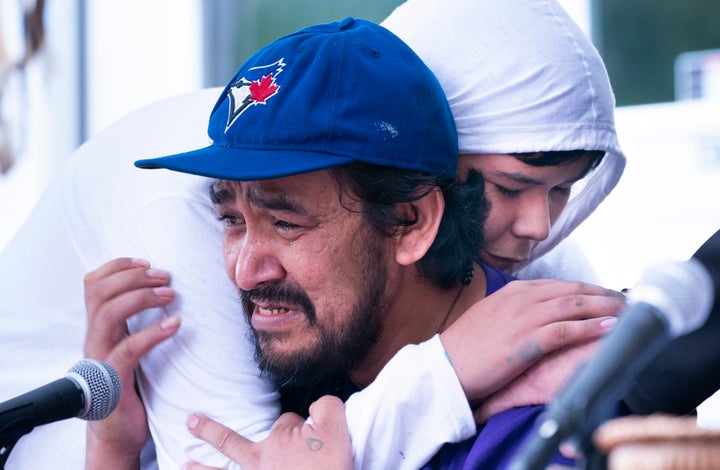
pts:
[334, 151]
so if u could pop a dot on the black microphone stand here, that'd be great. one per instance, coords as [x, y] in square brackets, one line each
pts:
[5, 449]
[7, 442]
[13, 428]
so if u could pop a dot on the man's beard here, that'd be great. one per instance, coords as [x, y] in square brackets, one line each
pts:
[338, 349]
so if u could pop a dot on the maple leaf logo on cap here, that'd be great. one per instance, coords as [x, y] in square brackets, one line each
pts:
[247, 92]
[264, 89]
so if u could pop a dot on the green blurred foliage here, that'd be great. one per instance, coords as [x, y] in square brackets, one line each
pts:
[640, 40]
[256, 23]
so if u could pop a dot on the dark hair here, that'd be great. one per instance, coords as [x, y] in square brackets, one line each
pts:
[459, 238]
[561, 157]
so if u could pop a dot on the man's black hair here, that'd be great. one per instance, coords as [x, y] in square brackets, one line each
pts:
[459, 238]
[561, 157]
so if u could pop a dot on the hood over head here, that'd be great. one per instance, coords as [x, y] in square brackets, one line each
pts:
[520, 76]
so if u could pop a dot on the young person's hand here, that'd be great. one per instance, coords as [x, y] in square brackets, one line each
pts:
[322, 442]
[501, 338]
[113, 293]
[538, 384]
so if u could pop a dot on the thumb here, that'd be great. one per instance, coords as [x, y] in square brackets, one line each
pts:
[328, 414]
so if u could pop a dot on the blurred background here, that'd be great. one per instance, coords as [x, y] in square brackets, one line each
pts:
[68, 68]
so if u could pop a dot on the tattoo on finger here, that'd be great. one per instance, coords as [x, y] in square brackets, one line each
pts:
[314, 444]
[528, 352]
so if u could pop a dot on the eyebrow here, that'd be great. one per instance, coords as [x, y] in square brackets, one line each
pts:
[520, 178]
[259, 198]
[220, 195]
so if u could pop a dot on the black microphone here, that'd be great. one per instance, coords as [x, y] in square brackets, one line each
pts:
[90, 390]
[686, 360]
[670, 300]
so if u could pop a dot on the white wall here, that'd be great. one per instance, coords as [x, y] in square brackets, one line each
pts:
[40, 109]
[137, 52]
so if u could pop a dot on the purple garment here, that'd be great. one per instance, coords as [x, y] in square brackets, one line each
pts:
[495, 278]
[496, 443]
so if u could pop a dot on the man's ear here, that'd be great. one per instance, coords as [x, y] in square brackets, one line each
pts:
[413, 242]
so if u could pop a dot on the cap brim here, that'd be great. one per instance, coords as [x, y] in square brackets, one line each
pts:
[245, 164]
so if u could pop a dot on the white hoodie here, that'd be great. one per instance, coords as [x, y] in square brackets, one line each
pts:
[520, 76]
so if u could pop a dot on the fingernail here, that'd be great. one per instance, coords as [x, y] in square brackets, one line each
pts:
[608, 323]
[192, 422]
[159, 273]
[170, 323]
[140, 262]
[164, 291]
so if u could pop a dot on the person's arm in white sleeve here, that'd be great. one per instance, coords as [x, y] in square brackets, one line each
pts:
[413, 407]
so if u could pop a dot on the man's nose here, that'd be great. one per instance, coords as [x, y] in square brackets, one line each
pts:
[255, 263]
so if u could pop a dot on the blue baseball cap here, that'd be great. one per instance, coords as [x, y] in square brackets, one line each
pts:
[326, 96]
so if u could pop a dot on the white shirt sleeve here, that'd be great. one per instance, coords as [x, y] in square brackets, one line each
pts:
[414, 406]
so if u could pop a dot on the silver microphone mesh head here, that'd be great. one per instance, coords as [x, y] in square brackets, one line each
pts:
[101, 386]
[683, 291]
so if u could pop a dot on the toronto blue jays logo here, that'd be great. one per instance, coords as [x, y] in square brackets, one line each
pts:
[255, 87]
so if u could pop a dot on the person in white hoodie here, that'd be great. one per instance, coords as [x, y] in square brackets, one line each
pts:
[521, 77]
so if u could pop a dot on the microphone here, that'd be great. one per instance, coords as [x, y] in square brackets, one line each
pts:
[686, 359]
[90, 390]
[670, 300]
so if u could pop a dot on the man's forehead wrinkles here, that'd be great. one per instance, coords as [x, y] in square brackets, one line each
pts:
[274, 199]
[261, 194]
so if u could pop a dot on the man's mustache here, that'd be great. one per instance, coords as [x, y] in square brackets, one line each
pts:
[284, 293]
